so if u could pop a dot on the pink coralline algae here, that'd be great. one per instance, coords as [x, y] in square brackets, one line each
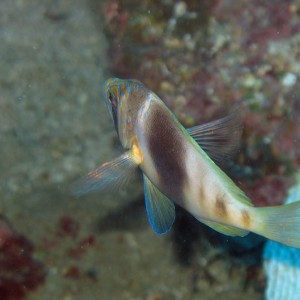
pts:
[68, 227]
[20, 273]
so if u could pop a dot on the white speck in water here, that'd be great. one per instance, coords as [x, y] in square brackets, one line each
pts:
[180, 9]
[289, 79]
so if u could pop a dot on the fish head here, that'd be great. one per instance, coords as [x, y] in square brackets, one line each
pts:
[124, 98]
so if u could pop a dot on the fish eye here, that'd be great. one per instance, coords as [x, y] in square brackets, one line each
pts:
[112, 100]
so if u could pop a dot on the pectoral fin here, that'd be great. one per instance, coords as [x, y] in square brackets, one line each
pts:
[220, 138]
[225, 229]
[110, 174]
[160, 209]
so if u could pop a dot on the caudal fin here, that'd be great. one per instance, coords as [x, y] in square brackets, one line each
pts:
[279, 223]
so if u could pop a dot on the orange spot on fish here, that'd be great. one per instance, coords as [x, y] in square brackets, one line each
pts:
[136, 153]
[246, 220]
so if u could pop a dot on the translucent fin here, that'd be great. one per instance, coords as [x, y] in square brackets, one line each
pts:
[110, 174]
[160, 209]
[220, 138]
[279, 223]
[225, 229]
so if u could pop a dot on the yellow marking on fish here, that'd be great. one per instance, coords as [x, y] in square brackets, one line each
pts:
[221, 208]
[246, 219]
[136, 153]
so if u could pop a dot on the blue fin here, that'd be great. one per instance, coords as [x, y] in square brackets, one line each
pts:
[160, 209]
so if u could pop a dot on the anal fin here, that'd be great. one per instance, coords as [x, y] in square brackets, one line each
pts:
[225, 229]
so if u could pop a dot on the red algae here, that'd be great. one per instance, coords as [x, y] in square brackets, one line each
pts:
[68, 227]
[262, 20]
[267, 191]
[19, 272]
[72, 272]
[82, 246]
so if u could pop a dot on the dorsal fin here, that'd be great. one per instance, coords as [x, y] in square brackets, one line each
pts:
[220, 138]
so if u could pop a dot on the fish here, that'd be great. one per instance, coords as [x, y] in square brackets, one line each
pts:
[181, 166]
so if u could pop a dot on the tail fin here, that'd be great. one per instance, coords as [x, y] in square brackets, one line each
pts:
[279, 223]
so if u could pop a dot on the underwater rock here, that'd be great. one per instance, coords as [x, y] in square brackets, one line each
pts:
[282, 265]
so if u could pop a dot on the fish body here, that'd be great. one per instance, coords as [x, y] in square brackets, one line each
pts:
[177, 166]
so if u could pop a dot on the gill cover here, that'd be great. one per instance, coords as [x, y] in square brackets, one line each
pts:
[111, 93]
[123, 99]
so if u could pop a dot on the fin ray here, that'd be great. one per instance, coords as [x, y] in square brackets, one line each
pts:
[219, 138]
[280, 223]
[114, 174]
